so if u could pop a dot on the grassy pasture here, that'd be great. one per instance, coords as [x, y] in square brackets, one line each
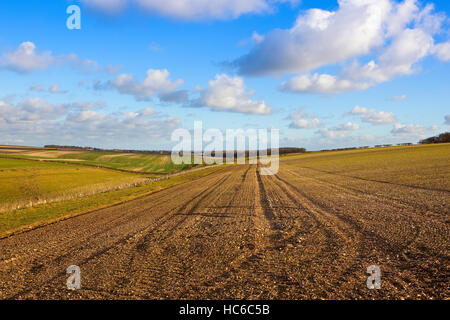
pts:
[145, 163]
[26, 183]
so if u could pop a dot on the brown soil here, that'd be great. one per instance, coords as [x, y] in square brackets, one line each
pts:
[238, 235]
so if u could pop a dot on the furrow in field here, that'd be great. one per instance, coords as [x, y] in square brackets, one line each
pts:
[79, 238]
[394, 239]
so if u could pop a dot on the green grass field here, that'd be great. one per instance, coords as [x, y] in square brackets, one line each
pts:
[26, 183]
[146, 163]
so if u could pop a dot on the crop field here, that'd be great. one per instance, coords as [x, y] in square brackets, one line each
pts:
[27, 184]
[144, 163]
[33, 191]
[308, 232]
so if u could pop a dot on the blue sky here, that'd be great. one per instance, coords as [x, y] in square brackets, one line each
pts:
[327, 74]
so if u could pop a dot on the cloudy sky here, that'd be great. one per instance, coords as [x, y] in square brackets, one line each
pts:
[326, 73]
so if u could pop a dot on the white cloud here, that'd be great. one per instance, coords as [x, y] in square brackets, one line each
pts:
[398, 59]
[88, 105]
[320, 83]
[26, 59]
[37, 122]
[227, 93]
[339, 131]
[372, 116]
[86, 116]
[399, 35]
[156, 82]
[442, 51]
[30, 110]
[346, 127]
[447, 119]
[318, 38]
[300, 114]
[408, 130]
[305, 124]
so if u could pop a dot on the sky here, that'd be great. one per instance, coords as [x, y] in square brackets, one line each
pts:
[326, 73]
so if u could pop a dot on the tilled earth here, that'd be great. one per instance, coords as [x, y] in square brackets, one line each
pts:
[236, 234]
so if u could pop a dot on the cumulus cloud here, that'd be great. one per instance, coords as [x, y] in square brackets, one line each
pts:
[339, 131]
[189, 10]
[320, 83]
[372, 116]
[442, 51]
[85, 116]
[30, 110]
[447, 119]
[36, 121]
[156, 82]
[408, 130]
[305, 124]
[318, 38]
[300, 114]
[88, 105]
[227, 93]
[398, 34]
[27, 58]
[303, 120]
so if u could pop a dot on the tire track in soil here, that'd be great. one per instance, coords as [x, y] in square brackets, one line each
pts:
[339, 248]
[400, 203]
[263, 274]
[120, 268]
[219, 286]
[28, 279]
[378, 181]
[380, 248]
[156, 276]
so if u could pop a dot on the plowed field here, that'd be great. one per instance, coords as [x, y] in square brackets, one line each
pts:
[235, 234]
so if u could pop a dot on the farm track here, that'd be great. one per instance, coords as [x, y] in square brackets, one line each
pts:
[236, 234]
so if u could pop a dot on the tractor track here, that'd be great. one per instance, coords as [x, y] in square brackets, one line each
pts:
[236, 234]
